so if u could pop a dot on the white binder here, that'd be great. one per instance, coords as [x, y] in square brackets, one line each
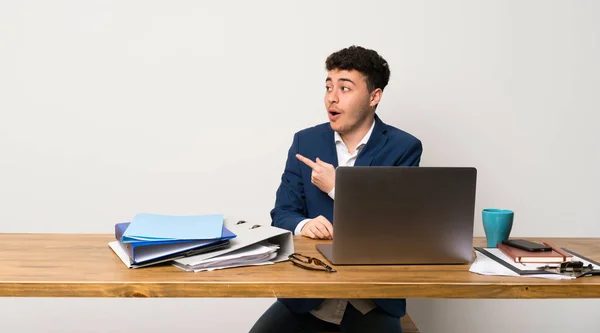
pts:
[248, 236]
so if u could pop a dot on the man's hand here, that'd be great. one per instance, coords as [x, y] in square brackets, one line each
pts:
[319, 228]
[323, 174]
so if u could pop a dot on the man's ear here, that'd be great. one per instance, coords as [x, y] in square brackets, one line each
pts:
[375, 96]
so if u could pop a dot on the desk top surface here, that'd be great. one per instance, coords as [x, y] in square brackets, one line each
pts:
[82, 265]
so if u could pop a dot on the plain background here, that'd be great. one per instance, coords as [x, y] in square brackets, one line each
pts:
[111, 108]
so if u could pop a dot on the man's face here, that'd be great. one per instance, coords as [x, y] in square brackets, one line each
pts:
[347, 100]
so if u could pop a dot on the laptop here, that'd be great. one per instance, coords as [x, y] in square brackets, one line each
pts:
[402, 215]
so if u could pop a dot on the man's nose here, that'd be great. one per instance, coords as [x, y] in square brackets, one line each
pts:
[332, 97]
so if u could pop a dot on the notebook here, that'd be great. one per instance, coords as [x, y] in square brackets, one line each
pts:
[521, 256]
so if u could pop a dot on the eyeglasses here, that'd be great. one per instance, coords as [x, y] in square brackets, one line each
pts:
[311, 263]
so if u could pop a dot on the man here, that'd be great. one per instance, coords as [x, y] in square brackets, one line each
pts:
[354, 135]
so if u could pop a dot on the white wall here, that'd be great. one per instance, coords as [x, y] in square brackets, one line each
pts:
[110, 108]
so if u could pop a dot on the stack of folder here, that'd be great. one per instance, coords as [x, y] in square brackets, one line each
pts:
[151, 239]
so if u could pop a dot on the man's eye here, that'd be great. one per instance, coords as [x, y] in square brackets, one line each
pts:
[328, 88]
[345, 89]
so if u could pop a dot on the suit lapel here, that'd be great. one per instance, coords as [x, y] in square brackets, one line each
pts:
[376, 142]
[328, 153]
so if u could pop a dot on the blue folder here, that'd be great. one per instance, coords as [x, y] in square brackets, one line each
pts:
[146, 252]
[156, 227]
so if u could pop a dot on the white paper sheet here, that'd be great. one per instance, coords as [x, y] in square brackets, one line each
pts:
[487, 266]
[256, 254]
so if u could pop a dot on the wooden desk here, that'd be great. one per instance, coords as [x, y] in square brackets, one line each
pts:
[69, 265]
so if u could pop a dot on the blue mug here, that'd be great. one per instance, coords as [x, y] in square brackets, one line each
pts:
[497, 224]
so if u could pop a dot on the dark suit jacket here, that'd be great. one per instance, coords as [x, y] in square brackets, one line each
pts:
[297, 198]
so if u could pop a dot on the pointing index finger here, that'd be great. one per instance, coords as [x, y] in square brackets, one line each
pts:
[306, 161]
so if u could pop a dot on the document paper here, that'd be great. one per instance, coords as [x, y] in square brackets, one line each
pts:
[255, 254]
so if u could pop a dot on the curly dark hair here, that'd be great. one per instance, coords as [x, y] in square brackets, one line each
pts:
[368, 62]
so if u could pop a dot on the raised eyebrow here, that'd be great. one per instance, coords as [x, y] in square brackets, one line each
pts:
[346, 80]
[340, 79]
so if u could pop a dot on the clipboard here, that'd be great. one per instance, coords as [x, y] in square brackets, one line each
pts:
[531, 269]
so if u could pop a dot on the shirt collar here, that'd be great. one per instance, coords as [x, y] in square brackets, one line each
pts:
[365, 139]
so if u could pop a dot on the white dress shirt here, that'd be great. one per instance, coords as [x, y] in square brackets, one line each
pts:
[332, 310]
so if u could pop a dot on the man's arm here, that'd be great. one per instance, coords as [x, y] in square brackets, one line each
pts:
[290, 201]
[412, 154]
